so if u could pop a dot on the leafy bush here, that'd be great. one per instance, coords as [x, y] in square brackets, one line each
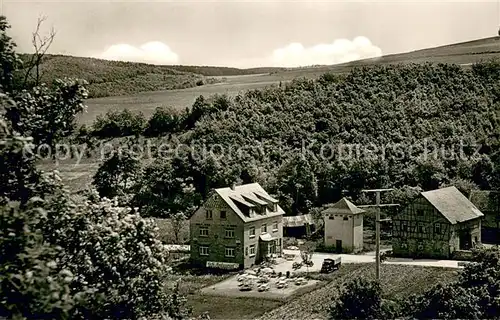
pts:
[360, 299]
[117, 176]
[164, 121]
[119, 124]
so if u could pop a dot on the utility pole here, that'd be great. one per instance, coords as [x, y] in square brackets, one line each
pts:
[377, 206]
[496, 199]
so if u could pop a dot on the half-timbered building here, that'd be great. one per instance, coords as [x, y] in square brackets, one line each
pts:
[436, 224]
[236, 228]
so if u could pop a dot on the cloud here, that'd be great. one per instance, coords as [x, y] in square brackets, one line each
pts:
[340, 51]
[152, 52]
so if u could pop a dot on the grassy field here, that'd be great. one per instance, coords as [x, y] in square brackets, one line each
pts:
[461, 53]
[397, 282]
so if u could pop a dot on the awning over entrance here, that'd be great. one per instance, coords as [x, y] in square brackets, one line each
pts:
[267, 237]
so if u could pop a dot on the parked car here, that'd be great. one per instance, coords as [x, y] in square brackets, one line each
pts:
[281, 284]
[263, 287]
[246, 286]
[330, 265]
[296, 265]
[242, 277]
[263, 279]
[300, 281]
[289, 257]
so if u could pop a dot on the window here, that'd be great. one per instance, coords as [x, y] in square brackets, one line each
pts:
[203, 251]
[223, 214]
[275, 207]
[246, 251]
[275, 227]
[252, 250]
[229, 252]
[263, 228]
[420, 228]
[404, 226]
[203, 232]
[331, 217]
[252, 232]
[346, 218]
[229, 233]
[437, 228]
[209, 214]
[420, 212]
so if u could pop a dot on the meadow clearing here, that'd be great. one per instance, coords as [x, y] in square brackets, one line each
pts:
[398, 281]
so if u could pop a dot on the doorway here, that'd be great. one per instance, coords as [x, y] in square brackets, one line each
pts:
[465, 241]
[338, 246]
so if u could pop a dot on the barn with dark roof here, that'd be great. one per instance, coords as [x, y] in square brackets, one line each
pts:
[436, 225]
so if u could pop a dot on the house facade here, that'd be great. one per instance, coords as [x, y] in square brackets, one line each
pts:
[343, 226]
[436, 225]
[236, 228]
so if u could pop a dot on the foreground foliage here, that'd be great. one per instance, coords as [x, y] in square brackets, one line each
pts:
[66, 256]
[474, 295]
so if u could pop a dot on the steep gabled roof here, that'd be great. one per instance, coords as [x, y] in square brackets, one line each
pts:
[251, 191]
[452, 204]
[343, 206]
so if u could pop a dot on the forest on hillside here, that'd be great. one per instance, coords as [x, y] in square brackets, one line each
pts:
[410, 127]
[114, 78]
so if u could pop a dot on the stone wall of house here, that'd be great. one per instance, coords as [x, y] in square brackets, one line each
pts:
[473, 226]
[420, 248]
[464, 255]
[216, 240]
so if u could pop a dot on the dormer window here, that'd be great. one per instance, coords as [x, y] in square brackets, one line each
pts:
[275, 207]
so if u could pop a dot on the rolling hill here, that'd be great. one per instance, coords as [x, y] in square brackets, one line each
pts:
[116, 78]
[463, 53]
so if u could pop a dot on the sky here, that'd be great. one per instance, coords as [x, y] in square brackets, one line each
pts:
[249, 33]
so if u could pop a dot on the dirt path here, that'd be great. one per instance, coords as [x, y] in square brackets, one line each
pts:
[368, 258]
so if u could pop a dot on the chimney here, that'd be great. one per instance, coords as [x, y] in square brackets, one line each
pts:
[233, 186]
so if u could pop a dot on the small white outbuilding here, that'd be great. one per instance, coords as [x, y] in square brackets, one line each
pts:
[344, 226]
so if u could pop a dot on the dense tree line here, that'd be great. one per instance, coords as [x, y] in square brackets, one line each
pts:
[386, 116]
[114, 78]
